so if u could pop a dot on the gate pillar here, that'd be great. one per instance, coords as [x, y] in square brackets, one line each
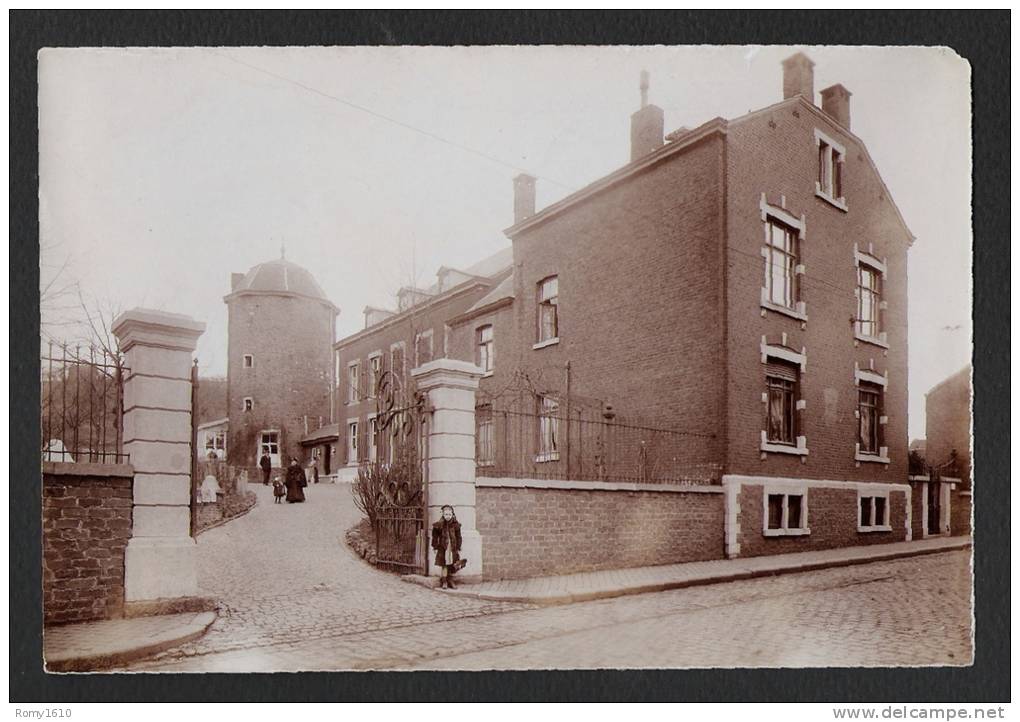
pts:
[160, 560]
[451, 386]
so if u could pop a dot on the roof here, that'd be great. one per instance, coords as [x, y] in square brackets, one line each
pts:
[281, 276]
[329, 431]
[682, 141]
[502, 292]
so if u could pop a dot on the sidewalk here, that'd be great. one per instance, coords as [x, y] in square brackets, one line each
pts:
[94, 646]
[619, 582]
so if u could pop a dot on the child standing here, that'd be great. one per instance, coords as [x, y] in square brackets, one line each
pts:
[446, 541]
[278, 490]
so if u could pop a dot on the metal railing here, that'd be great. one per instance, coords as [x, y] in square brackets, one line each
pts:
[82, 405]
[515, 444]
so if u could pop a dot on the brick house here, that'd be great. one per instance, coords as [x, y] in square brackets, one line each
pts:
[279, 372]
[943, 504]
[395, 340]
[743, 283]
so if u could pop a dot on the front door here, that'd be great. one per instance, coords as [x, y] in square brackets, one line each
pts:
[326, 469]
[934, 508]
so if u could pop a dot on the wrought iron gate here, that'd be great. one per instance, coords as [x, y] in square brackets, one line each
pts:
[401, 472]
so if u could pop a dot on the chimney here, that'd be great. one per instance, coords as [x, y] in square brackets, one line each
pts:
[235, 280]
[836, 104]
[799, 77]
[646, 125]
[524, 197]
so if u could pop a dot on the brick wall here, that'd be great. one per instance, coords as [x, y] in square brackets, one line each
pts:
[640, 284]
[959, 512]
[832, 519]
[86, 526]
[291, 341]
[432, 316]
[529, 532]
[947, 424]
[774, 152]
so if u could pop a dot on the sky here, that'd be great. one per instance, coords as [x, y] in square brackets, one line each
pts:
[163, 170]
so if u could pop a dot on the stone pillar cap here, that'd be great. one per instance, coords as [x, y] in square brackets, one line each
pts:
[446, 371]
[149, 327]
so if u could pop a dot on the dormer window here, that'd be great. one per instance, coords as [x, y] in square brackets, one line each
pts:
[829, 185]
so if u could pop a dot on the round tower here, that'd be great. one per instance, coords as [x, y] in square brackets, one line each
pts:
[280, 334]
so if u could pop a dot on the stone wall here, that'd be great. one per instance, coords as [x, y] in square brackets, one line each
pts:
[86, 526]
[536, 530]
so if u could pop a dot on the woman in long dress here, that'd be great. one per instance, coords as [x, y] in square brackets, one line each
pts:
[296, 482]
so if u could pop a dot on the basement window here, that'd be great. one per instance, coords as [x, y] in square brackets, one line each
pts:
[786, 513]
[873, 513]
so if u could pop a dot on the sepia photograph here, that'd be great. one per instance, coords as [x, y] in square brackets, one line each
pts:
[597, 357]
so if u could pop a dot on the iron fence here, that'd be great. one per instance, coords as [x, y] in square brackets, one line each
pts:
[82, 405]
[515, 444]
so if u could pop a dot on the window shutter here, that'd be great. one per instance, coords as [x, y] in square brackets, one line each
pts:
[782, 370]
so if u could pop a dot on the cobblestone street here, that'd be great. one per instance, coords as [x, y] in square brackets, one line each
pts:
[296, 598]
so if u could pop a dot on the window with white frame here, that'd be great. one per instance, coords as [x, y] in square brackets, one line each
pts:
[353, 373]
[548, 310]
[869, 412]
[248, 404]
[269, 443]
[485, 451]
[423, 352]
[868, 325]
[352, 442]
[338, 376]
[249, 361]
[548, 429]
[782, 255]
[785, 512]
[781, 415]
[373, 438]
[874, 512]
[374, 374]
[216, 444]
[485, 344]
[829, 184]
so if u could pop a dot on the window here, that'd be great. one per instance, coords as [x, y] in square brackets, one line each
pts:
[249, 361]
[423, 347]
[829, 185]
[216, 444]
[781, 258]
[869, 404]
[486, 348]
[397, 360]
[781, 383]
[269, 443]
[785, 513]
[874, 513]
[248, 404]
[548, 429]
[352, 442]
[870, 306]
[337, 374]
[485, 453]
[352, 383]
[548, 319]
[373, 439]
[375, 374]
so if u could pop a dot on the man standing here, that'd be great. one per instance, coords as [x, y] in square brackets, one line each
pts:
[266, 464]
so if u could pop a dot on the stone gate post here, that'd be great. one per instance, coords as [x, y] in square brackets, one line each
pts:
[451, 387]
[160, 560]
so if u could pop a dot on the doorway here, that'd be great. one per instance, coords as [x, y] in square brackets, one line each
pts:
[933, 524]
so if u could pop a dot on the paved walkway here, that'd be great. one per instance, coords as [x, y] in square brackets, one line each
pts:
[615, 583]
[97, 645]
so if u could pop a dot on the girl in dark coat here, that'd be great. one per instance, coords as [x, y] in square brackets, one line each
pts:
[296, 482]
[446, 541]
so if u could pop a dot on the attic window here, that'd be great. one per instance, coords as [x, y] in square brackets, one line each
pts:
[831, 168]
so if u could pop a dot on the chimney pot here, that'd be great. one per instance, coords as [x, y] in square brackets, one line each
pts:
[799, 77]
[524, 197]
[836, 104]
[647, 125]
